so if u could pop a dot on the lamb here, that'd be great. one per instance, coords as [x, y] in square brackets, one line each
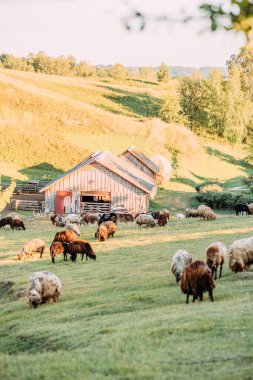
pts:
[162, 220]
[58, 248]
[191, 213]
[17, 225]
[43, 287]
[215, 257]
[180, 259]
[35, 245]
[197, 278]
[74, 228]
[145, 219]
[82, 247]
[65, 236]
[206, 212]
[105, 230]
[180, 216]
[240, 254]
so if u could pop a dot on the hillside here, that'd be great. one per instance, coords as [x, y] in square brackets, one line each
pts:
[50, 123]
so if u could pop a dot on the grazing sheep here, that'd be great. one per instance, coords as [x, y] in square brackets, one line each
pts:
[43, 287]
[191, 213]
[240, 254]
[240, 209]
[17, 225]
[105, 230]
[82, 247]
[6, 221]
[215, 257]
[145, 219]
[166, 213]
[65, 236]
[73, 218]
[90, 217]
[180, 259]
[197, 278]
[58, 248]
[180, 216]
[250, 206]
[206, 212]
[35, 245]
[60, 224]
[74, 228]
[59, 220]
[162, 220]
[111, 216]
[128, 217]
[53, 217]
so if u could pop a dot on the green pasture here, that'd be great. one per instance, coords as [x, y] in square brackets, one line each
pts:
[124, 316]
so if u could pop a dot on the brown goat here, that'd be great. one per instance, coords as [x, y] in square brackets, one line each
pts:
[82, 247]
[197, 278]
[65, 236]
[17, 224]
[162, 220]
[58, 248]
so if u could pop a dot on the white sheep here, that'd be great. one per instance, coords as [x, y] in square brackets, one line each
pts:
[206, 212]
[43, 287]
[180, 216]
[215, 256]
[180, 259]
[73, 227]
[240, 254]
[145, 219]
[35, 245]
[73, 218]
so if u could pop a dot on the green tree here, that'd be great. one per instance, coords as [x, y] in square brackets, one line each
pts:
[118, 71]
[163, 73]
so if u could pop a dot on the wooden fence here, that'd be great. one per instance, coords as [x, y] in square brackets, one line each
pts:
[17, 204]
[95, 207]
[26, 187]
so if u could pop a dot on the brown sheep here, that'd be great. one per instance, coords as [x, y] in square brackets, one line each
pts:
[162, 220]
[53, 217]
[105, 230]
[197, 278]
[165, 213]
[58, 248]
[65, 236]
[35, 245]
[215, 257]
[17, 224]
[82, 247]
[90, 217]
[6, 221]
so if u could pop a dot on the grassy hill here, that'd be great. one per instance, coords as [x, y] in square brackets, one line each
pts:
[50, 123]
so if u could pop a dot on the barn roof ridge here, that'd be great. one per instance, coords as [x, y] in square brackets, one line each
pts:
[144, 159]
[113, 163]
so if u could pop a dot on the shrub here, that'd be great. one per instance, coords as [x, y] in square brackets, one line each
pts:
[225, 199]
[215, 188]
[206, 183]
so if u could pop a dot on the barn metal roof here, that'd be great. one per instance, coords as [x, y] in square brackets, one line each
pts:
[116, 165]
[144, 159]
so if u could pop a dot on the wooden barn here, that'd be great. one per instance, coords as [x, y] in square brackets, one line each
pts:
[100, 183]
[142, 162]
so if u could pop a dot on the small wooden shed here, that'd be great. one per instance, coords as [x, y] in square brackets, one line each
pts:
[142, 162]
[100, 183]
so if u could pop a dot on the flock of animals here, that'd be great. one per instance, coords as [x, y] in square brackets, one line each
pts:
[195, 277]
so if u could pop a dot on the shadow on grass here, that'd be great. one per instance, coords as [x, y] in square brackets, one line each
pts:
[247, 167]
[138, 103]
[43, 171]
[184, 181]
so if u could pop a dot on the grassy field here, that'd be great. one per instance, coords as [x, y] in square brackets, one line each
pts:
[124, 316]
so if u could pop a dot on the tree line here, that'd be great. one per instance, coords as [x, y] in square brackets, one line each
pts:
[69, 66]
[217, 106]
